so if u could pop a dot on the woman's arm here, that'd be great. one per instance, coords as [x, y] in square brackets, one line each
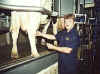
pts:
[48, 36]
[59, 49]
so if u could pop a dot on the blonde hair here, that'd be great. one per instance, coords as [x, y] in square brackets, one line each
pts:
[60, 23]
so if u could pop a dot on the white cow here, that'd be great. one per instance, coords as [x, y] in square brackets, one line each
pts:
[29, 22]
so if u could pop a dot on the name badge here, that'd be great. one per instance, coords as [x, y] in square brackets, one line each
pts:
[67, 38]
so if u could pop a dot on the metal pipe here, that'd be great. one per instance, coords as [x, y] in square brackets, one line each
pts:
[7, 34]
[78, 6]
[84, 7]
[53, 5]
[59, 8]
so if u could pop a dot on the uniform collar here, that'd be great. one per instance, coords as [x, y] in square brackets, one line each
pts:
[70, 30]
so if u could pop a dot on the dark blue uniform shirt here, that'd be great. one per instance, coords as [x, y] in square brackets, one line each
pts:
[67, 63]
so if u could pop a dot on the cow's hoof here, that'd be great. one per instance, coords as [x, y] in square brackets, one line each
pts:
[14, 56]
[37, 55]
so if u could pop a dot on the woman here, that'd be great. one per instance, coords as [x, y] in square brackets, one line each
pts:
[68, 43]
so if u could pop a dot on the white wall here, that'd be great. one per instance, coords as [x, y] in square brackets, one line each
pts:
[53, 69]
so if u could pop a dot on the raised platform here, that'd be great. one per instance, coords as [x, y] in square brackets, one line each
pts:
[29, 65]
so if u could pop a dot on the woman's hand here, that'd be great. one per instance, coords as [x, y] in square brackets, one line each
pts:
[38, 33]
[66, 50]
[50, 46]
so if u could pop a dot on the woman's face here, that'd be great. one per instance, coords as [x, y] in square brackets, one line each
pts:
[69, 24]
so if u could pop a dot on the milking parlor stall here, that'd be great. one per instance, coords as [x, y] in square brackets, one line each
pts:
[21, 51]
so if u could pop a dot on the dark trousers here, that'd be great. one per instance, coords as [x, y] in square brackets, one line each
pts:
[67, 67]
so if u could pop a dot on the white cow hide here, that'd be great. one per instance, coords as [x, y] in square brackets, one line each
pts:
[28, 21]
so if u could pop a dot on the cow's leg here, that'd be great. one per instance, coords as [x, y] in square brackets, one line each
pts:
[14, 32]
[45, 31]
[55, 30]
[32, 39]
[31, 29]
[14, 53]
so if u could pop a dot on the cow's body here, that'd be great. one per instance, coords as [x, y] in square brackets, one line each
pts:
[28, 21]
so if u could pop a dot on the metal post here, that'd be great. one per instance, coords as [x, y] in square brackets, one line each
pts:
[78, 6]
[78, 11]
[84, 7]
[59, 8]
[53, 5]
[8, 34]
